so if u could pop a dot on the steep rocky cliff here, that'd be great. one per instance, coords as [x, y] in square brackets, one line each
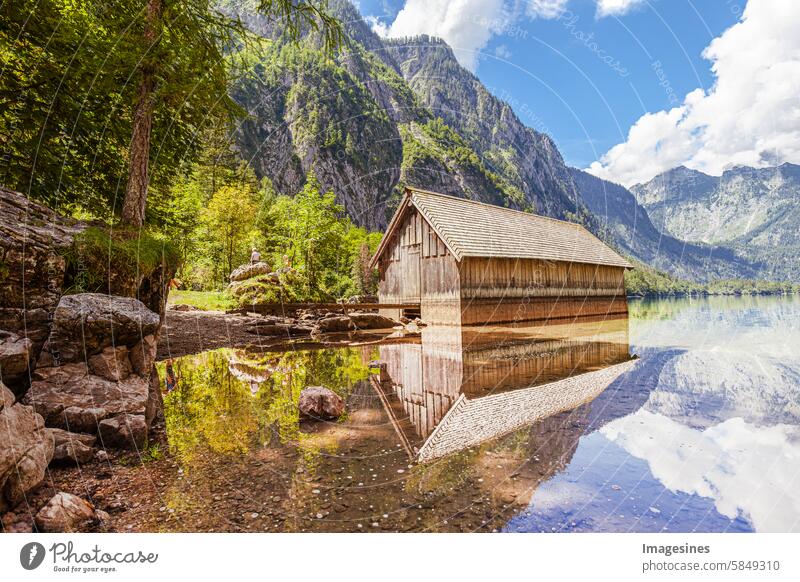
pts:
[754, 211]
[387, 113]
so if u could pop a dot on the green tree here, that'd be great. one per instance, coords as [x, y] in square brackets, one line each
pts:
[311, 231]
[228, 223]
[96, 97]
[183, 40]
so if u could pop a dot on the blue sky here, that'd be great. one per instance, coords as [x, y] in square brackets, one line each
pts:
[586, 77]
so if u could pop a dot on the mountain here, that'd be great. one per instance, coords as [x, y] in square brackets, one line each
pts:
[385, 113]
[753, 211]
[627, 225]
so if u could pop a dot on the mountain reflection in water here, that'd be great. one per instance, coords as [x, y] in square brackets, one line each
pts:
[535, 427]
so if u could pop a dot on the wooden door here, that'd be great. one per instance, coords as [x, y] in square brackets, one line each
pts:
[410, 273]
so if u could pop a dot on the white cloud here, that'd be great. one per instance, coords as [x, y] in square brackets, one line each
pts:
[502, 51]
[751, 115]
[466, 25]
[748, 470]
[616, 7]
[546, 8]
[377, 25]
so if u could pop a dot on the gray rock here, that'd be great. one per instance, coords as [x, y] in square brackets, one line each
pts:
[32, 241]
[65, 512]
[86, 323]
[112, 363]
[78, 419]
[143, 354]
[73, 452]
[372, 321]
[61, 437]
[355, 321]
[249, 270]
[69, 397]
[320, 403]
[126, 431]
[25, 449]
[336, 323]
[15, 355]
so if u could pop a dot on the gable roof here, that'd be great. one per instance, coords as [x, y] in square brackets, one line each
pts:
[475, 229]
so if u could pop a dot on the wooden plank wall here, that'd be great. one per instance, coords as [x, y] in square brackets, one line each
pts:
[418, 268]
[523, 365]
[426, 386]
[415, 240]
[483, 278]
[509, 310]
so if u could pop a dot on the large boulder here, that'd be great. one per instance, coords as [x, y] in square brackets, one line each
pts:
[86, 323]
[15, 357]
[72, 453]
[372, 321]
[96, 374]
[335, 323]
[319, 402]
[70, 397]
[72, 448]
[33, 239]
[249, 270]
[65, 512]
[25, 449]
[127, 431]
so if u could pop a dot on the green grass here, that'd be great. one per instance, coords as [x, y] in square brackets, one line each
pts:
[102, 259]
[204, 300]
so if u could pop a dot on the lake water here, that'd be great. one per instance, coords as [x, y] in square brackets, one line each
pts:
[684, 417]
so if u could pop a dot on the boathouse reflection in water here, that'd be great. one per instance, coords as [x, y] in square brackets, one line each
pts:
[487, 381]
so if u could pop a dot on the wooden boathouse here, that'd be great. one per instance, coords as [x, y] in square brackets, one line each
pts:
[461, 262]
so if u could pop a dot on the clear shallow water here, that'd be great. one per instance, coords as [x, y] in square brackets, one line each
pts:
[701, 433]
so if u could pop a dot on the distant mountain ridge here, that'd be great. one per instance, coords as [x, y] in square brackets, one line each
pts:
[629, 227]
[754, 211]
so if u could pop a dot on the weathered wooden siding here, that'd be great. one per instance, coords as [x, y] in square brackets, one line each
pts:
[507, 290]
[418, 268]
[483, 278]
[427, 384]
[508, 310]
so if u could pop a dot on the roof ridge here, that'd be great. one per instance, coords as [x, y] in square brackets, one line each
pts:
[495, 206]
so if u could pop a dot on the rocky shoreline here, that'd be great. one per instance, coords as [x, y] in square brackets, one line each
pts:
[77, 374]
